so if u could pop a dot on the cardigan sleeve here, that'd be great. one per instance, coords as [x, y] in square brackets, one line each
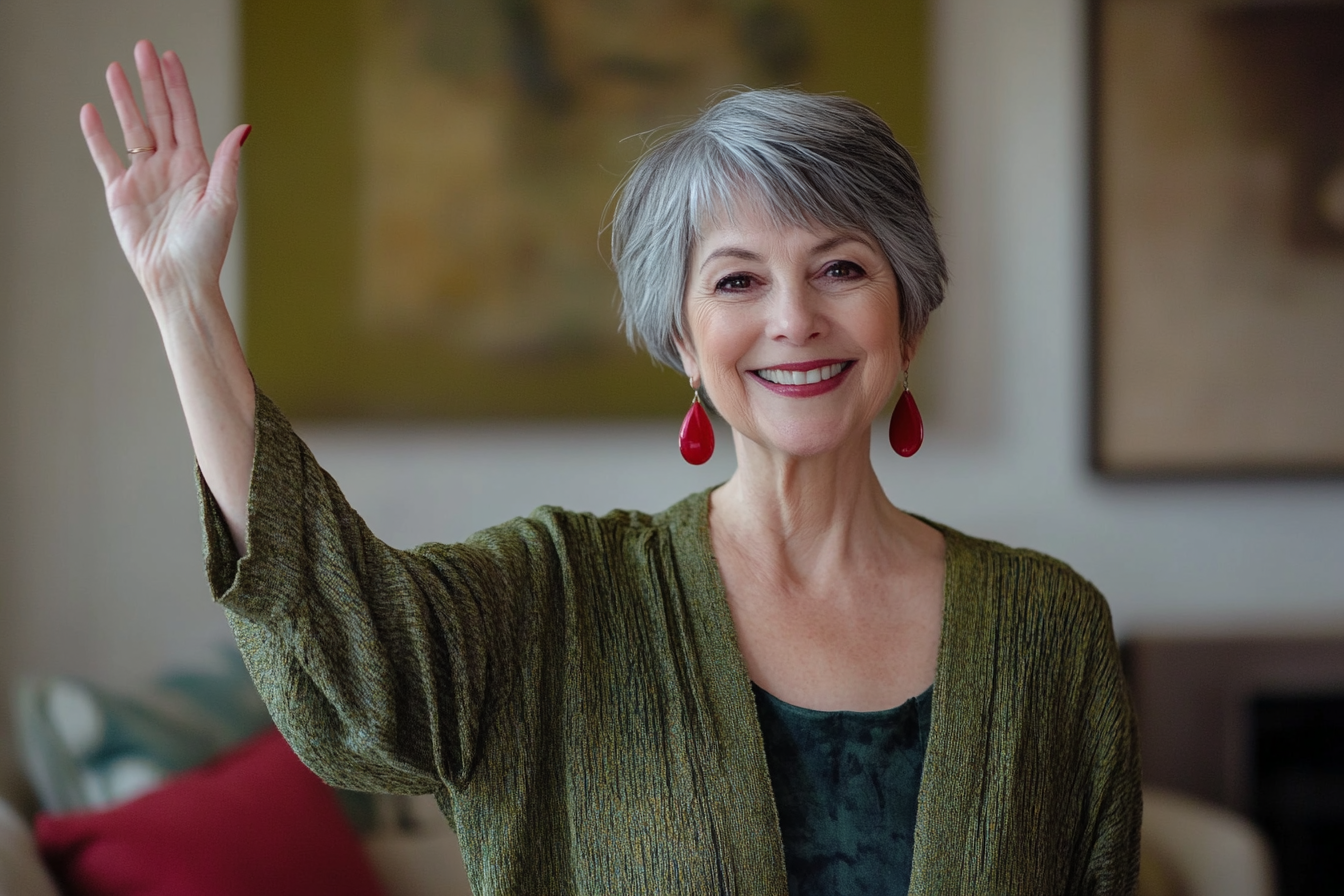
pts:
[380, 666]
[1112, 753]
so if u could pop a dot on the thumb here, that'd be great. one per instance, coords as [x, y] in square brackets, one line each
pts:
[224, 169]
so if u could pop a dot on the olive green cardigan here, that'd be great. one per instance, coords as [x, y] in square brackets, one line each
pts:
[570, 688]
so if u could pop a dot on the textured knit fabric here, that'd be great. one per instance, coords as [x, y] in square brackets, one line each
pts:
[846, 787]
[571, 689]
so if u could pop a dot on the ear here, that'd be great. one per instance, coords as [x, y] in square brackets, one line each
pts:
[689, 363]
[908, 349]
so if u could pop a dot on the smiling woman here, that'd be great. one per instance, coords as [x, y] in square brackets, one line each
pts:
[784, 684]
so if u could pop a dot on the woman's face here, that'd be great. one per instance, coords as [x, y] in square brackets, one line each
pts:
[794, 332]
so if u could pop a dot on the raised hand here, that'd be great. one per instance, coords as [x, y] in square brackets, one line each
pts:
[173, 211]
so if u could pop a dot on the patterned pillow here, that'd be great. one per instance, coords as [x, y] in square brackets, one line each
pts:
[86, 748]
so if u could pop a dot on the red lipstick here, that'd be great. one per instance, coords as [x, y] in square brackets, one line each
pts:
[805, 390]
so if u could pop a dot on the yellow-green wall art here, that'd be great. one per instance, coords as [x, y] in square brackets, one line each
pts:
[427, 181]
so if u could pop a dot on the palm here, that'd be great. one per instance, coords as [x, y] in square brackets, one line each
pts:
[165, 220]
[172, 210]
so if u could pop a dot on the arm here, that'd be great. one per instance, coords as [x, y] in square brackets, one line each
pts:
[384, 668]
[173, 212]
[379, 665]
[1112, 858]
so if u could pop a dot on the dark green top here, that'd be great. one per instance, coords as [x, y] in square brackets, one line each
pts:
[570, 687]
[847, 786]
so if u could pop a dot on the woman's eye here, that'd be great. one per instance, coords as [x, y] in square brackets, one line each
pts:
[842, 270]
[734, 283]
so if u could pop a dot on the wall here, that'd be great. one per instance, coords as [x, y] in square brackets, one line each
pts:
[99, 546]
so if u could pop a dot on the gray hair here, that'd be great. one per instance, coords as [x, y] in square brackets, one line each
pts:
[810, 160]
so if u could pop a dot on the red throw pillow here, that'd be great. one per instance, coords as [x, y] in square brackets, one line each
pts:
[253, 823]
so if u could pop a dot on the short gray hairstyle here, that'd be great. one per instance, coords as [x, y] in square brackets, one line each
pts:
[809, 159]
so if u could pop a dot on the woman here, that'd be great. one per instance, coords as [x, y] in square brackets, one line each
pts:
[783, 684]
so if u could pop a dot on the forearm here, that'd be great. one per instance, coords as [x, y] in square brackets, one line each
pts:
[217, 394]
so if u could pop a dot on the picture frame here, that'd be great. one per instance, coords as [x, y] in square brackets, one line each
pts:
[1217, 238]
[383, 285]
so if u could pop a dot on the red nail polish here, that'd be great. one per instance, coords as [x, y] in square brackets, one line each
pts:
[247, 133]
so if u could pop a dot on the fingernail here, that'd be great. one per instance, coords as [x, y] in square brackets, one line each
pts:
[247, 133]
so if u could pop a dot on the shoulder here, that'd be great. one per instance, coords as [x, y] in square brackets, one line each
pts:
[690, 512]
[582, 537]
[1022, 591]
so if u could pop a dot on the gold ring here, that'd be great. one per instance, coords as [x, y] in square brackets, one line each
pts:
[135, 149]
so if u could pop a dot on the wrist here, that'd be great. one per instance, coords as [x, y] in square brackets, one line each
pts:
[166, 282]
[185, 301]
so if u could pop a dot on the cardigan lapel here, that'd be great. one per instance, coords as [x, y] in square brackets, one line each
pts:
[953, 829]
[742, 803]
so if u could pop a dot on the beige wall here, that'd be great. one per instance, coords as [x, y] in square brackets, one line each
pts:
[99, 545]
[100, 554]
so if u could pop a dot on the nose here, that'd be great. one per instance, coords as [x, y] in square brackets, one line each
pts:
[796, 314]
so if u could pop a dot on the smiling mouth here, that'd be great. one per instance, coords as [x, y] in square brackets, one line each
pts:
[782, 377]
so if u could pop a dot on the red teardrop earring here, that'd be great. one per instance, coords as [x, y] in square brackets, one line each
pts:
[907, 427]
[697, 433]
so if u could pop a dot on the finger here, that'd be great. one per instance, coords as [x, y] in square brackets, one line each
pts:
[104, 154]
[186, 129]
[224, 170]
[156, 97]
[133, 130]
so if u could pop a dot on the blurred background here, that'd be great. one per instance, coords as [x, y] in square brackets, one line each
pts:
[100, 547]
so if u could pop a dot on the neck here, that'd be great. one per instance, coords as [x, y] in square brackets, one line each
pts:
[804, 516]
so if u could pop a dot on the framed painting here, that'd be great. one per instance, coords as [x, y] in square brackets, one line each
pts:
[427, 180]
[1218, 238]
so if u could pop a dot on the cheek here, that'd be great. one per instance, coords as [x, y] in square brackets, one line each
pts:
[721, 343]
[721, 338]
[883, 328]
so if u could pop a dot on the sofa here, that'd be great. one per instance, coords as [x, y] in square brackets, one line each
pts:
[186, 788]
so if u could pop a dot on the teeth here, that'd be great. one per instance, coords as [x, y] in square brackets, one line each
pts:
[801, 377]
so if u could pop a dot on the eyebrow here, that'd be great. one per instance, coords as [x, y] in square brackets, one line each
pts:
[748, 255]
[730, 252]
